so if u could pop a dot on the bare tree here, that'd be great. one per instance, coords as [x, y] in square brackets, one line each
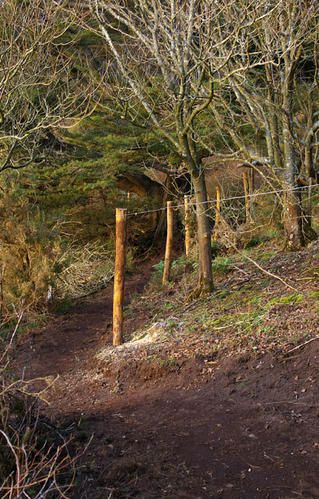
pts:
[160, 52]
[40, 86]
[278, 98]
[166, 71]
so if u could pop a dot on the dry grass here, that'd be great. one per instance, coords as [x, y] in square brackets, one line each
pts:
[35, 460]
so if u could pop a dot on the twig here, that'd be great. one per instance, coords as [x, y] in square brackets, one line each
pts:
[12, 336]
[293, 402]
[301, 346]
[240, 270]
[264, 270]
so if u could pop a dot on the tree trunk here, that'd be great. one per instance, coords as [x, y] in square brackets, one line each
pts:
[274, 130]
[292, 198]
[247, 192]
[204, 233]
[309, 232]
[217, 212]
[187, 221]
[297, 221]
[293, 219]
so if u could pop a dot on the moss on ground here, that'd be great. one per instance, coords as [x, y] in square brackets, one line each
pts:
[248, 310]
[291, 299]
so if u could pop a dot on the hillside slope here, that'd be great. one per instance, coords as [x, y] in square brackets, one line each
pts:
[211, 397]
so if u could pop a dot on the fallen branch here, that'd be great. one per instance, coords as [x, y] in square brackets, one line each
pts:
[301, 346]
[275, 276]
[262, 269]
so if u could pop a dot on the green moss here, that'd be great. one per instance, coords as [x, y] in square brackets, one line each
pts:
[219, 321]
[168, 362]
[286, 300]
[249, 321]
[255, 299]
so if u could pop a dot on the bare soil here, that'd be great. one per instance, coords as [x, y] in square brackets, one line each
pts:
[198, 425]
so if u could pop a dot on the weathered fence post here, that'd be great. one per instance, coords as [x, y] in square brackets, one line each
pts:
[119, 276]
[247, 197]
[217, 213]
[169, 244]
[187, 219]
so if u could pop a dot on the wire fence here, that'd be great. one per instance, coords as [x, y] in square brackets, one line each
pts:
[212, 202]
[245, 217]
[235, 221]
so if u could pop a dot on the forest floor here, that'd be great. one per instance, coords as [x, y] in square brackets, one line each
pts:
[209, 397]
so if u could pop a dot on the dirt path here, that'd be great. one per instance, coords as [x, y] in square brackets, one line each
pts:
[249, 430]
[72, 339]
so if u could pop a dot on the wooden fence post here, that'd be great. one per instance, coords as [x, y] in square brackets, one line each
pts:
[217, 213]
[187, 219]
[247, 197]
[119, 276]
[169, 244]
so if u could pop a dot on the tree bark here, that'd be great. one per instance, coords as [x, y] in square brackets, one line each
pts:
[204, 233]
[292, 198]
[217, 212]
[247, 192]
[293, 219]
[187, 218]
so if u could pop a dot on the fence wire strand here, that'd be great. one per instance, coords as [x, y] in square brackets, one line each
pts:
[212, 202]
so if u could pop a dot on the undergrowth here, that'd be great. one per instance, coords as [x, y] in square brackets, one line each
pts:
[35, 460]
[249, 309]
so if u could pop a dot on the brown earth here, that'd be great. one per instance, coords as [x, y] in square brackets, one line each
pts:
[195, 426]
